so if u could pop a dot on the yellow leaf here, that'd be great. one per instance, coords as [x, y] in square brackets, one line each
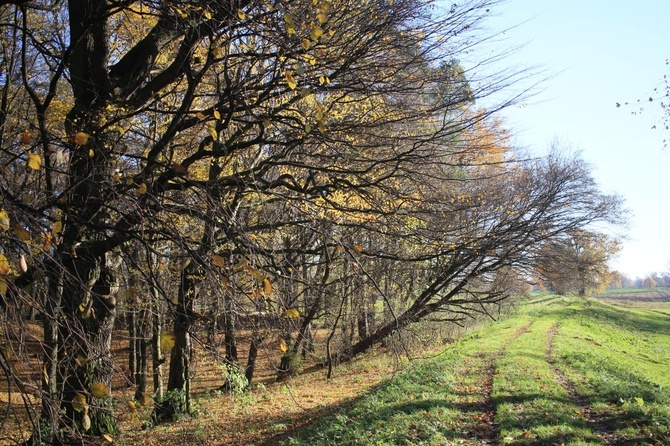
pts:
[4, 265]
[217, 114]
[146, 400]
[290, 80]
[81, 138]
[25, 137]
[256, 274]
[306, 43]
[241, 14]
[357, 249]
[21, 233]
[168, 341]
[267, 287]
[322, 17]
[79, 403]
[57, 228]
[316, 33]
[108, 438]
[91, 153]
[47, 241]
[200, 115]
[208, 15]
[99, 390]
[34, 161]
[282, 346]
[292, 313]
[244, 264]
[8, 352]
[4, 220]
[212, 132]
[132, 405]
[181, 12]
[290, 25]
[141, 190]
[308, 128]
[3, 286]
[217, 260]
[86, 422]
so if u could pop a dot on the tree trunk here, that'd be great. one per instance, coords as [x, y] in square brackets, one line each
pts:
[141, 344]
[363, 324]
[157, 357]
[229, 330]
[251, 360]
[179, 380]
[86, 337]
[156, 327]
[50, 377]
[131, 320]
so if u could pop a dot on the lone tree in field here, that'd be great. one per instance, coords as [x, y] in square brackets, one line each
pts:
[577, 262]
[287, 161]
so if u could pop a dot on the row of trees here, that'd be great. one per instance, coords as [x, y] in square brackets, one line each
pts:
[256, 167]
[651, 281]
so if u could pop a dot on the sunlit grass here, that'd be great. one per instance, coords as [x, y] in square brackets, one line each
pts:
[618, 360]
[615, 361]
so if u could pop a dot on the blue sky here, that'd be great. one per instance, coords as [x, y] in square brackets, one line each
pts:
[596, 53]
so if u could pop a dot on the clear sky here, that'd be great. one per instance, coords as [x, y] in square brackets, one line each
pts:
[596, 53]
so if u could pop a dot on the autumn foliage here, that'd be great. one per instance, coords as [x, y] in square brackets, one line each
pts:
[191, 171]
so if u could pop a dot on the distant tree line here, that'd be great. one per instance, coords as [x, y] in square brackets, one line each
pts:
[653, 280]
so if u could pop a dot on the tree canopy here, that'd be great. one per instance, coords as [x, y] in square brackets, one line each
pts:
[265, 164]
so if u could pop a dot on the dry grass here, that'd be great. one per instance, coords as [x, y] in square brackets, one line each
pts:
[262, 415]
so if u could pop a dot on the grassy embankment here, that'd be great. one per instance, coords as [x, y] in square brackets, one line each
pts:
[562, 371]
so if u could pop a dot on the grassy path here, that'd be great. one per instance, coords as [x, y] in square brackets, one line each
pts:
[563, 371]
[595, 421]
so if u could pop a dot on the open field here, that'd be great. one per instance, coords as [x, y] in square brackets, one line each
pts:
[658, 299]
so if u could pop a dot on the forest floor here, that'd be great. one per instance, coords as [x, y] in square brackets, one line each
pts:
[560, 371]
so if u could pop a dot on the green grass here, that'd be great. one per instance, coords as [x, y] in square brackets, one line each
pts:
[532, 406]
[615, 360]
[619, 361]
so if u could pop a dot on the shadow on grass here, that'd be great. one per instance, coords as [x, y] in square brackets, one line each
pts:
[414, 422]
[332, 426]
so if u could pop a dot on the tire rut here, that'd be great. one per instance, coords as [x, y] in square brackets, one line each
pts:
[595, 421]
[487, 432]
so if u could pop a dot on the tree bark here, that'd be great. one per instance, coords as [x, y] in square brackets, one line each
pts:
[179, 379]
